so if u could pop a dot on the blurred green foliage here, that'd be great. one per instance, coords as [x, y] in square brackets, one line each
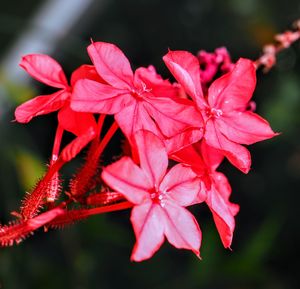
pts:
[95, 253]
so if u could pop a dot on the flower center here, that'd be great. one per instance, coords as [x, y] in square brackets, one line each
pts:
[138, 92]
[214, 112]
[157, 197]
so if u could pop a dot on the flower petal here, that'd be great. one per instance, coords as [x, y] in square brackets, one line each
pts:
[182, 140]
[111, 64]
[211, 156]
[76, 122]
[223, 211]
[200, 156]
[40, 105]
[148, 227]
[134, 117]
[245, 127]
[125, 177]
[189, 156]
[85, 72]
[43, 219]
[238, 155]
[45, 69]
[91, 96]
[152, 154]
[224, 189]
[16, 231]
[185, 68]
[181, 228]
[76, 145]
[173, 117]
[233, 90]
[181, 185]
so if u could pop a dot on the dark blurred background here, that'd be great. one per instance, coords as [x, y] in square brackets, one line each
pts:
[95, 253]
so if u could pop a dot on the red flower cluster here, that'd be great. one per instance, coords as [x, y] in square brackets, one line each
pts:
[195, 122]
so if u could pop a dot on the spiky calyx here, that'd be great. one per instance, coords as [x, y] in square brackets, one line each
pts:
[17, 231]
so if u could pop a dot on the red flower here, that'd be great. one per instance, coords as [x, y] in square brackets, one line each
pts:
[204, 161]
[159, 198]
[140, 100]
[228, 123]
[47, 70]
[213, 63]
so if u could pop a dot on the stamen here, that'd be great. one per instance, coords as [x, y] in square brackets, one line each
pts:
[157, 197]
[214, 112]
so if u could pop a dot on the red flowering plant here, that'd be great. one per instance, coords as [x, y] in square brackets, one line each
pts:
[177, 134]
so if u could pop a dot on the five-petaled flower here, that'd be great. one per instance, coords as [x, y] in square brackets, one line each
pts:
[46, 70]
[204, 160]
[140, 100]
[228, 123]
[159, 198]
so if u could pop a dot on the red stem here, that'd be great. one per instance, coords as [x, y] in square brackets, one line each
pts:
[73, 215]
[106, 138]
[55, 167]
[96, 140]
[111, 208]
[57, 142]
[100, 124]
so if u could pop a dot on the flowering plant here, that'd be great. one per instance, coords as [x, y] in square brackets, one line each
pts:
[177, 135]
